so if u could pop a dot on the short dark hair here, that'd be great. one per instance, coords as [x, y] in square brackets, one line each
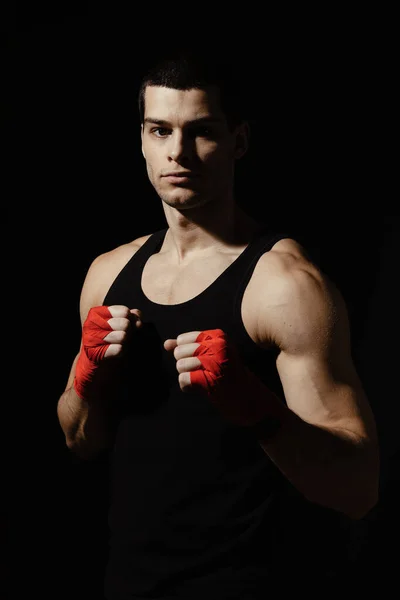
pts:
[187, 70]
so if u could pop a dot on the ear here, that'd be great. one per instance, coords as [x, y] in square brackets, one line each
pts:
[242, 140]
[141, 136]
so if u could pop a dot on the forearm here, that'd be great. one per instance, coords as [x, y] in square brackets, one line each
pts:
[330, 467]
[86, 426]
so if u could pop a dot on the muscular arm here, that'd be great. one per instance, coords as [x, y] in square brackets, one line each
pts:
[327, 444]
[89, 426]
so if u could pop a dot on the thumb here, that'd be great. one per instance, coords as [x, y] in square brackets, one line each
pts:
[137, 316]
[170, 344]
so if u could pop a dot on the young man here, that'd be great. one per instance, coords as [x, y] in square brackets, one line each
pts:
[215, 366]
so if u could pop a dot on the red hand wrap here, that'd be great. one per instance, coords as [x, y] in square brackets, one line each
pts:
[231, 386]
[94, 330]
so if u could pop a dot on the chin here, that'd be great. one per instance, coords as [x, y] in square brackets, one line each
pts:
[183, 199]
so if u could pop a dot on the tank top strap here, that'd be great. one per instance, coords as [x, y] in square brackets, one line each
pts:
[264, 241]
[150, 246]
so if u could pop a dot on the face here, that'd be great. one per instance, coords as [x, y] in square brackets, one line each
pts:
[188, 147]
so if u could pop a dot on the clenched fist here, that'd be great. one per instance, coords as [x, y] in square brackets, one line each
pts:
[208, 362]
[105, 334]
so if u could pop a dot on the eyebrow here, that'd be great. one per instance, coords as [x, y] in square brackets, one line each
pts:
[199, 121]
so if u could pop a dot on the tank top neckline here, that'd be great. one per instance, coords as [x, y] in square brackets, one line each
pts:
[161, 235]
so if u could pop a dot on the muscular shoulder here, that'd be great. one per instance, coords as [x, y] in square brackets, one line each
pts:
[114, 260]
[288, 264]
[298, 306]
[103, 271]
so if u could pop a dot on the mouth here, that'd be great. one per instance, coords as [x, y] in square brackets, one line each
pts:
[180, 177]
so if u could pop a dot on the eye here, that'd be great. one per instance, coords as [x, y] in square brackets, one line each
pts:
[203, 132]
[160, 131]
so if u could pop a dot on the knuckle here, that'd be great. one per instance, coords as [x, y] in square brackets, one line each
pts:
[184, 381]
[122, 337]
[116, 337]
[116, 349]
[118, 310]
[112, 323]
[108, 338]
[110, 351]
[123, 323]
[118, 323]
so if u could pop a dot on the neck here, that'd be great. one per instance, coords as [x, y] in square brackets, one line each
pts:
[189, 236]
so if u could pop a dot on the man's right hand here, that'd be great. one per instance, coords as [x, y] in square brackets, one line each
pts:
[107, 329]
[105, 334]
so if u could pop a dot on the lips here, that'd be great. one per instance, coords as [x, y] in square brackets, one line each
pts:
[180, 174]
[180, 177]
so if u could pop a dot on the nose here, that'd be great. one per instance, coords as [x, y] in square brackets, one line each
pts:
[179, 148]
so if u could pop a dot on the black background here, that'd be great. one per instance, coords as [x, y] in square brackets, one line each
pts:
[320, 165]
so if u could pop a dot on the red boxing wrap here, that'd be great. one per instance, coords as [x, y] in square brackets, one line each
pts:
[239, 395]
[95, 329]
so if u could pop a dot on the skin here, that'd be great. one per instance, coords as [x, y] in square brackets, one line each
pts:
[327, 444]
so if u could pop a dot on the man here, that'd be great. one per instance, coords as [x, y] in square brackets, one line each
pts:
[215, 368]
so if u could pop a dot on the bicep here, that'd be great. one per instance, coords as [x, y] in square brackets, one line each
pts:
[315, 365]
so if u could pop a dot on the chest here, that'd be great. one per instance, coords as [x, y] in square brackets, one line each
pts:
[165, 284]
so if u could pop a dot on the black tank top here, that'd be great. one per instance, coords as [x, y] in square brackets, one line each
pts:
[194, 499]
